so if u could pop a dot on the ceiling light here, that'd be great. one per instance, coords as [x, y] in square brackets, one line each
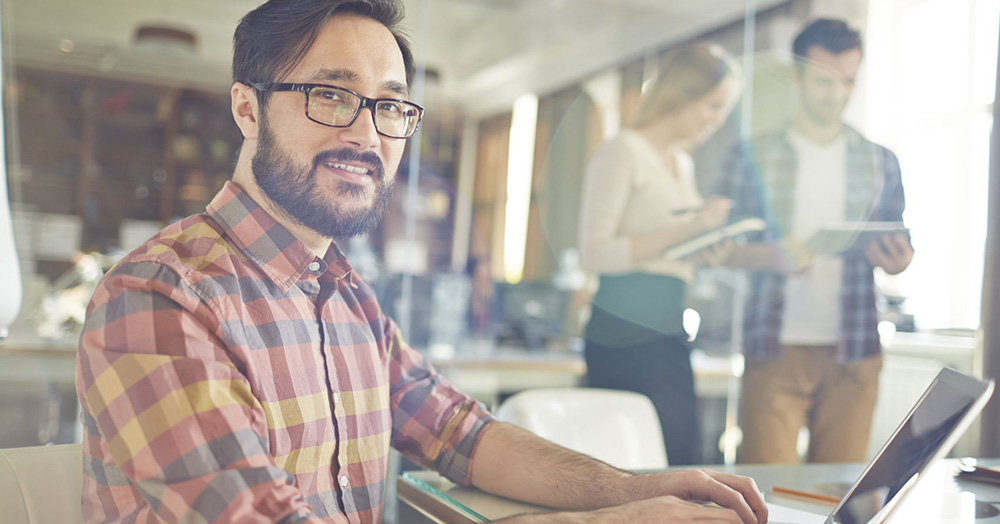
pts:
[165, 40]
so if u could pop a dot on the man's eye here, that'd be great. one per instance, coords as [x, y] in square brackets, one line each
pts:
[330, 96]
[389, 109]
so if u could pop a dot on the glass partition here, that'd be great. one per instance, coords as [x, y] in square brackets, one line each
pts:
[565, 147]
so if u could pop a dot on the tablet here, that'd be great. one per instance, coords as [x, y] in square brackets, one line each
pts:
[730, 231]
[835, 239]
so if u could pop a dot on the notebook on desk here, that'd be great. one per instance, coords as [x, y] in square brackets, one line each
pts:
[939, 418]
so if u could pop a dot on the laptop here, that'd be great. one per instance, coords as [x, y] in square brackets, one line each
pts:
[943, 413]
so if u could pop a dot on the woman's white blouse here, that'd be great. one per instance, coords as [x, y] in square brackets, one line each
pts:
[629, 190]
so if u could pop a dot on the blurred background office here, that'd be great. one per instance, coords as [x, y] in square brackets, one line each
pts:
[116, 127]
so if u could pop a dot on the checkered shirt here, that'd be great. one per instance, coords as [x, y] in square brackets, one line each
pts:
[760, 177]
[226, 374]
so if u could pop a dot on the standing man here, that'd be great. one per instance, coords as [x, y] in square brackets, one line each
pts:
[235, 369]
[812, 348]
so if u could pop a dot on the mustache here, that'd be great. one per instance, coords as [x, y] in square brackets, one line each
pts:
[345, 155]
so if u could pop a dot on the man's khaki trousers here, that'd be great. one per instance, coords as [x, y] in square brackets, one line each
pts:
[807, 387]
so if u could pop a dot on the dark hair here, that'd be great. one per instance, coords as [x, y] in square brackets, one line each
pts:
[273, 38]
[686, 74]
[832, 35]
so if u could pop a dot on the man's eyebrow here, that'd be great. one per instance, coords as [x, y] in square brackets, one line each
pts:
[334, 75]
[346, 75]
[396, 87]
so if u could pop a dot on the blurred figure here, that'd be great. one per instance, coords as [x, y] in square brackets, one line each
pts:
[640, 198]
[812, 348]
[483, 305]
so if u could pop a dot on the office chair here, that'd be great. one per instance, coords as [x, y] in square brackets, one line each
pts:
[617, 427]
[41, 485]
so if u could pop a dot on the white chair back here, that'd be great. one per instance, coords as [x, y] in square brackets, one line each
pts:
[617, 427]
[41, 485]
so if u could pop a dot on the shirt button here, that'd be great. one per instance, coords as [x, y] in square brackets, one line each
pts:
[336, 398]
[343, 481]
[314, 266]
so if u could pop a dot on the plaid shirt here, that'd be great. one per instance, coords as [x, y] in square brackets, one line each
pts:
[760, 178]
[226, 374]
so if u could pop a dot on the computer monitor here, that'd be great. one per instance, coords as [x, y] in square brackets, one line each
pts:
[532, 313]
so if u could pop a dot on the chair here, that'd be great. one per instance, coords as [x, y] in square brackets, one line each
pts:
[41, 485]
[617, 427]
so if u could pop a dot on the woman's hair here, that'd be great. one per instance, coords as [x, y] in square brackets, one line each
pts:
[686, 74]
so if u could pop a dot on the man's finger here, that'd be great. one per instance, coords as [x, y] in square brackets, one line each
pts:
[892, 246]
[748, 490]
[903, 243]
[714, 487]
[712, 514]
[875, 254]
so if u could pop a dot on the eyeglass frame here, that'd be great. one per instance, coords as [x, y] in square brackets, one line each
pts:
[272, 87]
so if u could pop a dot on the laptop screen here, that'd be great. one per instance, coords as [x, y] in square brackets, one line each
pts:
[916, 443]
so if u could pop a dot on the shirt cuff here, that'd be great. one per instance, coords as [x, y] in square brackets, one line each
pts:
[455, 461]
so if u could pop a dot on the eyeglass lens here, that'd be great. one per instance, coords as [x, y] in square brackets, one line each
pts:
[338, 107]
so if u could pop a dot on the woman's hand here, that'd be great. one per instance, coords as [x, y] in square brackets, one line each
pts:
[714, 213]
[715, 254]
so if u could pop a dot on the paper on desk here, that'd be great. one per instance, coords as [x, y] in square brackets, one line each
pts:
[778, 514]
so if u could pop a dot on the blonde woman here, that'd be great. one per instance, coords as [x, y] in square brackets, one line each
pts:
[640, 198]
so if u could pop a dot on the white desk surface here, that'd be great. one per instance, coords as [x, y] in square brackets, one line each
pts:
[940, 494]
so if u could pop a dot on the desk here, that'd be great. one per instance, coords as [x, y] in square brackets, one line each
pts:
[938, 494]
[38, 393]
[487, 372]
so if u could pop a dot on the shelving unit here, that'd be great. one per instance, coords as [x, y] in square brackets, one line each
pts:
[104, 151]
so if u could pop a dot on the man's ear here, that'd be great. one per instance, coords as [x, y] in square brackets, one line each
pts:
[246, 111]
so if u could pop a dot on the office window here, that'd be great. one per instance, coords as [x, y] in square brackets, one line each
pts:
[931, 69]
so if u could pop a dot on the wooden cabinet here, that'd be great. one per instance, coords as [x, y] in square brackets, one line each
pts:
[204, 142]
[99, 156]
[102, 151]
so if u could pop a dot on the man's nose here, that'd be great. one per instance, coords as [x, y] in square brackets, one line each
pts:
[362, 133]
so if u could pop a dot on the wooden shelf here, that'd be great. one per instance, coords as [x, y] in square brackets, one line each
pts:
[102, 149]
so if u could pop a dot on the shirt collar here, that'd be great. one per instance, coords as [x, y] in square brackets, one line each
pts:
[284, 258]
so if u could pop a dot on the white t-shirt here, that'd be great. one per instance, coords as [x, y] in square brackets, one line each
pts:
[812, 312]
[629, 190]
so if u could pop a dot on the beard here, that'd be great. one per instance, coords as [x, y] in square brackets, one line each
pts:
[295, 192]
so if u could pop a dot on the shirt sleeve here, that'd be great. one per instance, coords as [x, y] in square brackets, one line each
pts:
[177, 418]
[739, 181]
[893, 200]
[606, 188]
[433, 423]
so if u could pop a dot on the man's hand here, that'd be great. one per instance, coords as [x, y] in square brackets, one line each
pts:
[668, 510]
[736, 494]
[892, 253]
[519, 465]
[794, 257]
[673, 498]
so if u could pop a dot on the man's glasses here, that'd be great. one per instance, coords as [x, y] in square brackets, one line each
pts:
[339, 107]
